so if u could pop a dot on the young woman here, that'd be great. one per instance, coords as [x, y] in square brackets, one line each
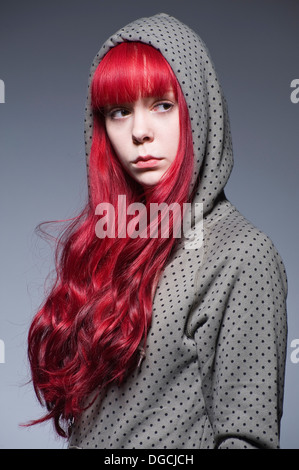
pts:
[148, 340]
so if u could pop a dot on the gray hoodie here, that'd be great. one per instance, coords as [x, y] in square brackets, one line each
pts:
[213, 374]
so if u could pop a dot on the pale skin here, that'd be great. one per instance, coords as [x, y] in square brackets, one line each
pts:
[145, 136]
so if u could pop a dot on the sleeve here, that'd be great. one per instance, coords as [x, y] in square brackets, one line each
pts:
[241, 341]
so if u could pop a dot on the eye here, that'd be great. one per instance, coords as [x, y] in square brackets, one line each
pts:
[163, 106]
[117, 113]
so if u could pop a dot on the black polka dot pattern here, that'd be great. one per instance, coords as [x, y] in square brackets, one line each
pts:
[213, 373]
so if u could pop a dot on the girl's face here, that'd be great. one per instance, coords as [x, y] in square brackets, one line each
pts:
[145, 135]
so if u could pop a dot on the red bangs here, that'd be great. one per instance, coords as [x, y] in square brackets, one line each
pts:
[129, 71]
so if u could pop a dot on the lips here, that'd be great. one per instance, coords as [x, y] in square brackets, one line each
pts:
[146, 158]
[147, 161]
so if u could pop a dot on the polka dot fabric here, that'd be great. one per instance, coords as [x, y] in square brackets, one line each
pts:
[213, 374]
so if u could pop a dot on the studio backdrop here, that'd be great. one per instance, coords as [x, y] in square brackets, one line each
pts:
[46, 49]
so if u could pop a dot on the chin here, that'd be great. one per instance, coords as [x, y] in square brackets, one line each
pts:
[150, 180]
[150, 183]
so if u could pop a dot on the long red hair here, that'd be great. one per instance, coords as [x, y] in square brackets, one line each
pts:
[89, 329]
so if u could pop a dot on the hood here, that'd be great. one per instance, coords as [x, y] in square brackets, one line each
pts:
[190, 60]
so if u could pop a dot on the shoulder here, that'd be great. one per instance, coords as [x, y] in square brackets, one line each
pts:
[235, 242]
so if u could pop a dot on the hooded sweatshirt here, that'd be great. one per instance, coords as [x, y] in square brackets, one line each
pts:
[213, 372]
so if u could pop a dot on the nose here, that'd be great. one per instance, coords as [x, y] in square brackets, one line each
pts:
[142, 130]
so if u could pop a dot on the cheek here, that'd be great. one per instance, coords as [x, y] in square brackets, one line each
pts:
[117, 140]
[112, 136]
[172, 134]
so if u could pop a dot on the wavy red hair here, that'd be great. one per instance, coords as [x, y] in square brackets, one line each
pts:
[88, 331]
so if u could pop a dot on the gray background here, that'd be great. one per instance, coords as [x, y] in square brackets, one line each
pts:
[46, 48]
